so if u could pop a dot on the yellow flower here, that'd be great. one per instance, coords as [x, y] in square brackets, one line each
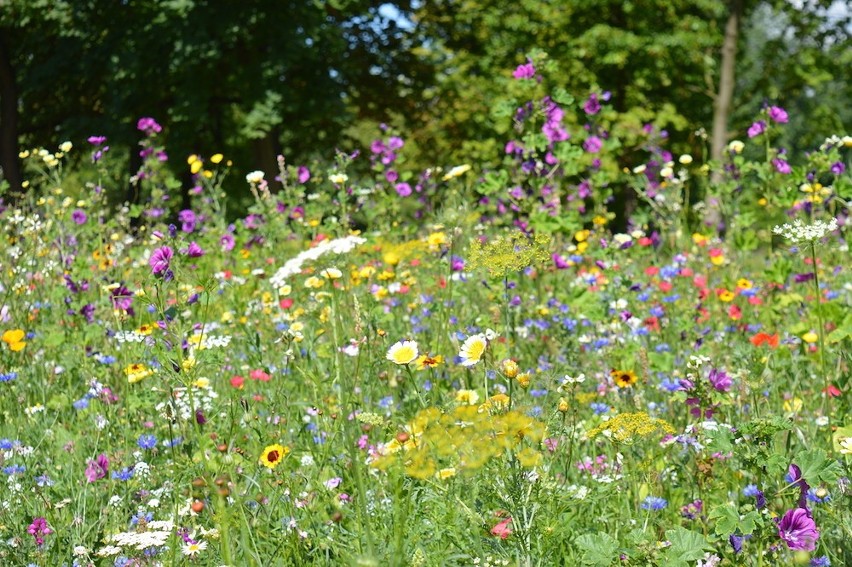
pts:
[810, 337]
[145, 329]
[137, 372]
[338, 178]
[472, 350]
[191, 159]
[509, 368]
[623, 378]
[272, 455]
[216, 158]
[426, 361]
[196, 166]
[524, 379]
[727, 296]
[444, 474]
[15, 339]
[436, 240]
[313, 282]
[743, 283]
[469, 397]
[456, 171]
[563, 405]
[332, 273]
[793, 406]
[403, 352]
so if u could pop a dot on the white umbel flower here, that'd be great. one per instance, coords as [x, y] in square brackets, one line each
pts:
[801, 232]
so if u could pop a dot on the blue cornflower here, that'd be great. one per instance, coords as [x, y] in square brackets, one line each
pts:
[8, 377]
[123, 474]
[14, 469]
[818, 495]
[141, 515]
[81, 404]
[7, 444]
[823, 561]
[44, 480]
[654, 503]
[146, 441]
[599, 408]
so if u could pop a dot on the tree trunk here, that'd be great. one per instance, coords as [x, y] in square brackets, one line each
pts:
[8, 119]
[725, 94]
[722, 108]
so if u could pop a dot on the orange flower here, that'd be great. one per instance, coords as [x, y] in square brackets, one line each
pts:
[763, 338]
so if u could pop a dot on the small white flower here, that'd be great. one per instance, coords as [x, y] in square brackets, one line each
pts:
[254, 177]
[338, 178]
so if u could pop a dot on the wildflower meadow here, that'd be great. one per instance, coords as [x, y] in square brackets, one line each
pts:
[463, 365]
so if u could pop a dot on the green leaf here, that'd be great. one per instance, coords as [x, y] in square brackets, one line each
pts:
[563, 97]
[686, 548]
[817, 468]
[726, 517]
[598, 549]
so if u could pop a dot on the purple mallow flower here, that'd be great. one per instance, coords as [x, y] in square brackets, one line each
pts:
[525, 71]
[798, 530]
[149, 126]
[592, 105]
[160, 259]
[593, 144]
[778, 114]
[98, 468]
[720, 380]
[194, 250]
[757, 129]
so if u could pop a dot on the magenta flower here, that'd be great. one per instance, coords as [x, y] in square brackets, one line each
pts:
[781, 166]
[194, 250]
[304, 174]
[149, 126]
[78, 216]
[98, 468]
[757, 129]
[38, 529]
[593, 144]
[160, 259]
[592, 105]
[227, 242]
[403, 189]
[96, 140]
[778, 114]
[525, 71]
[720, 380]
[798, 530]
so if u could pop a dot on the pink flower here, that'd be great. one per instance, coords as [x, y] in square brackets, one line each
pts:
[503, 529]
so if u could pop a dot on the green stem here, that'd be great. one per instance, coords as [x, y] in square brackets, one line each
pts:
[826, 401]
